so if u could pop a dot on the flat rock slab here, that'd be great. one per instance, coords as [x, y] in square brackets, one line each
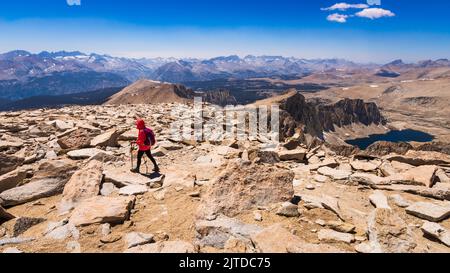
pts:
[83, 184]
[437, 231]
[331, 236]
[379, 200]
[288, 209]
[388, 233]
[49, 180]
[11, 179]
[366, 166]
[85, 153]
[102, 209]
[15, 241]
[298, 155]
[216, 232]
[422, 175]
[164, 247]
[138, 238]
[334, 173]
[429, 211]
[277, 239]
[123, 177]
[133, 190]
[4, 215]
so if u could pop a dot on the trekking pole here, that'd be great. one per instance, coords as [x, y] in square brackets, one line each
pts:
[131, 154]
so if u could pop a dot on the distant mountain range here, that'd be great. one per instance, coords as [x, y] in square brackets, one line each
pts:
[24, 74]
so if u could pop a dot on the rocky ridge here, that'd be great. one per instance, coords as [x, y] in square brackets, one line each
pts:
[65, 186]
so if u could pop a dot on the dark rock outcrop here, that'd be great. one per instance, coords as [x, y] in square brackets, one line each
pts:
[435, 147]
[382, 148]
[316, 117]
[220, 97]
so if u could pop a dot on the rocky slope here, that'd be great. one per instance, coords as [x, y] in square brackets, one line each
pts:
[65, 186]
[146, 91]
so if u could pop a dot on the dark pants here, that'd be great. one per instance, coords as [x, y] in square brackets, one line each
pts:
[149, 154]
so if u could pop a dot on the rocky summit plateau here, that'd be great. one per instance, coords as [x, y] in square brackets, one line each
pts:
[66, 185]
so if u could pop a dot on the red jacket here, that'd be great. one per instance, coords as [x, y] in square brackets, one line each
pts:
[140, 125]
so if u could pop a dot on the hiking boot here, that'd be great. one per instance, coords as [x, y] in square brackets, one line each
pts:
[134, 170]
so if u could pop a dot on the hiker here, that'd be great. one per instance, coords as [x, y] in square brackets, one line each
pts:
[146, 139]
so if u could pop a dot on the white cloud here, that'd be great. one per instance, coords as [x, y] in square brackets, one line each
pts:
[346, 6]
[336, 17]
[74, 2]
[375, 13]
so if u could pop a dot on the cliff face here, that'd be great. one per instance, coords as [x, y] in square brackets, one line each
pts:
[317, 117]
[220, 97]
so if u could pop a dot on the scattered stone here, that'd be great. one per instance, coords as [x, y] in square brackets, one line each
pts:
[194, 194]
[328, 162]
[423, 175]
[12, 250]
[366, 166]
[369, 179]
[108, 189]
[429, 211]
[73, 247]
[11, 179]
[107, 139]
[324, 202]
[234, 245]
[437, 231]
[379, 200]
[340, 226]
[85, 153]
[276, 239]
[9, 163]
[137, 238]
[102, 209]
[106, 229]
[4, 215]
[442, 176]
[246, 186]
[257, 216]
[159, 195]
[159, 152]
[320, 222]
[387, 169]
[288, 209]
[310, 187]
[388, 233]
[83, 184]
[297, 155]
[334, 173]
[320, 178]
[49, 180]
[75, 140]
[399, 201]
[437, 192]
[216, 232]
[122, 178]
[110, 239]
[133, 190]
[22, 224]
[61, 231]
[164, 247]
[331, 236]
[15, 241]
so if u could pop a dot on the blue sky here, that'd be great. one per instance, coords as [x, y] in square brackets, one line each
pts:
[411, 29]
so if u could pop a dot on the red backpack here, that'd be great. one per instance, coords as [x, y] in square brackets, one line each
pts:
[150, 138]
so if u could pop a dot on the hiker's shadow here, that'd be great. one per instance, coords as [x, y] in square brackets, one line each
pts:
[153, 175]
